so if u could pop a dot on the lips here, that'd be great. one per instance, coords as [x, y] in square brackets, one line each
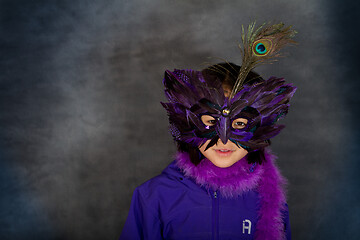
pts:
[224, 152]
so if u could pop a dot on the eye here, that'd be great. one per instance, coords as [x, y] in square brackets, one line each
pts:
[239, 123]
[208, 120]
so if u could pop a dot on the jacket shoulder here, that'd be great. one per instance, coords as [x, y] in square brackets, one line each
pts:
[169, 181]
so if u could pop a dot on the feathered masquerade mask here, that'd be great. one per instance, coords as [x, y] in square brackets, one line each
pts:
[198, 109]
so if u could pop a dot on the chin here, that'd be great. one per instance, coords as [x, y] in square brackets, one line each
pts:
[222, 163]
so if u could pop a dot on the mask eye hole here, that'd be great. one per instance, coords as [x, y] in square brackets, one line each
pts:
[239, 123]
[208, 120]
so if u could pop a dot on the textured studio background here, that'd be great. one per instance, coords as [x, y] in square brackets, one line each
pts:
[81, 124]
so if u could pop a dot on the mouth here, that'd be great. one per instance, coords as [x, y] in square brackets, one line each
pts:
[224, 152]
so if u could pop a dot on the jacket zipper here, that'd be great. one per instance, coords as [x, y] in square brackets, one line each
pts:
[215, 216]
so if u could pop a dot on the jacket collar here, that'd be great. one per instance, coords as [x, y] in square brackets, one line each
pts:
[242, 176]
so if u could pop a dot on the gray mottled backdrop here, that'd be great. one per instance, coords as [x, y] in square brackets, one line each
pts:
[81, 124]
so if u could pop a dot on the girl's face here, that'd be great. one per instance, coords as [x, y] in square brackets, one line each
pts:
[223, 155]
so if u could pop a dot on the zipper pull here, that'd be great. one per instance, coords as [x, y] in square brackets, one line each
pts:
[215, 194]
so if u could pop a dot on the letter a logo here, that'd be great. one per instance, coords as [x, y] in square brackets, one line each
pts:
[247, 226]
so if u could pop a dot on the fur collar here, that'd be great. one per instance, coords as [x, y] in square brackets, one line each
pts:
[230, 182]
[234, 180]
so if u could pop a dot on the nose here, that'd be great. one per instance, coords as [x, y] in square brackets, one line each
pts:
[223, 139]
[222, 143]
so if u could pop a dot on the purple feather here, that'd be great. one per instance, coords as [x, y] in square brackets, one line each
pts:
[191, 95]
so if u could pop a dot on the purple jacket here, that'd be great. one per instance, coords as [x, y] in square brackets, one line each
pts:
[172, 206]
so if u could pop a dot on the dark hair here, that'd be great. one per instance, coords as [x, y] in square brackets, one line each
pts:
[227, 73]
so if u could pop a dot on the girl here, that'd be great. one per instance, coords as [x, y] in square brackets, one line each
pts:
[223, 183]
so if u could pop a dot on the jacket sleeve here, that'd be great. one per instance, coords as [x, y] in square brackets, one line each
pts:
[142, 222]
[286, 223]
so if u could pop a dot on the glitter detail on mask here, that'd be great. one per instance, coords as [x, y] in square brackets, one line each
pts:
[225, 112]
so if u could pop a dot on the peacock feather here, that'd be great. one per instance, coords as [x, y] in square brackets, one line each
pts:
[259, 46]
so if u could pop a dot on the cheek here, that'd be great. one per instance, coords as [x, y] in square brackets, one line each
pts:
[203, 147]
[241, 153]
